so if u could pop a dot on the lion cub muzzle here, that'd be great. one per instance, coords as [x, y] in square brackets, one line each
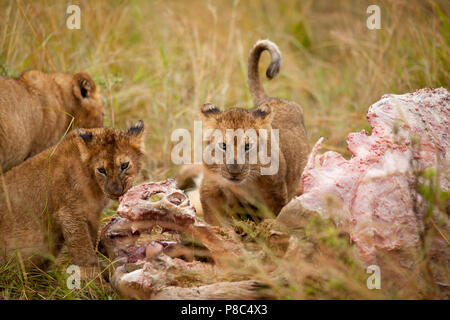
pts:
[115, 190]
[235, 172]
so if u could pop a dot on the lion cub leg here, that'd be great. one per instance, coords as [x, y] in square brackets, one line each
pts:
[275, 196]
[212, 200]
[77, 236]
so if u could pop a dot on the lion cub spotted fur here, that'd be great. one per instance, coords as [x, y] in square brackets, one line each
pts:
[37, 108]
[230, 186]
[57, 196]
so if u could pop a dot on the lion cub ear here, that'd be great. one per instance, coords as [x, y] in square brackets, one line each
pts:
[136, 134]
[263, 114]
[86, 138]
[83, 85]
[210, 113]
[209, 110]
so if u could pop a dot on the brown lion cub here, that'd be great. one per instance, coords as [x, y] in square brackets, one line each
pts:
[37, 108]
[233, 186]
[58, 195]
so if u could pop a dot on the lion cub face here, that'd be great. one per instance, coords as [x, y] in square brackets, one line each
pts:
[228, 124]
[113, 157]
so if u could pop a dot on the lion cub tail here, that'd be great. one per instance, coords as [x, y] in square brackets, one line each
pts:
[254, 83]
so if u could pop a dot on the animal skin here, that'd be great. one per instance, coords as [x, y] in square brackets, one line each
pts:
[374, 194]
[148, 269]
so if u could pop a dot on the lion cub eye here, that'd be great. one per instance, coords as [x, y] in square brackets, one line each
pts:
[102, 171]
[223, 146]
[124, 166]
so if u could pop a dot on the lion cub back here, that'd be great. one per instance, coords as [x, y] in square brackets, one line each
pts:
[288, 119]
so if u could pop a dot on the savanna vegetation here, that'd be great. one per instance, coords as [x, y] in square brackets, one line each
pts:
[161, 60]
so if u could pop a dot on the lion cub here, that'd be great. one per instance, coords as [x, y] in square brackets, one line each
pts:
[233, 185]
[37, 108]
[58, 195]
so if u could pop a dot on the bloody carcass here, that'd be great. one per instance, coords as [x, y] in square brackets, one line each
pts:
[149, 268]
[374, 194]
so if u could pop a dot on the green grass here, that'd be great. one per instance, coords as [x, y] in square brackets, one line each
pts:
[161, 60]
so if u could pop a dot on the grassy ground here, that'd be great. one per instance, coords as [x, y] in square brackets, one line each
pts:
[160, 60]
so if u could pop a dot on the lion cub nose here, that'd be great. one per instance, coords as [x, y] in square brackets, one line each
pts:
[235, 169]
[115, 189]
